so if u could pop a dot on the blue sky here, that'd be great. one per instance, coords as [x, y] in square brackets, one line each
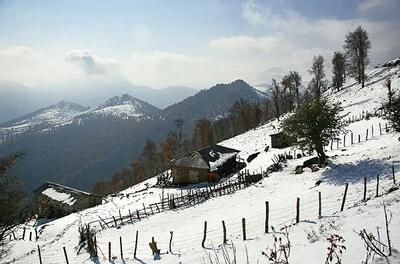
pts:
[193, 43]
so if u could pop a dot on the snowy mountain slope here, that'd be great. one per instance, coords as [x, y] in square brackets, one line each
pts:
[52, 116]
[124, 106]
[348, 164]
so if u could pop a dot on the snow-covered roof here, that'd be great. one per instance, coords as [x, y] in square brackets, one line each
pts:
[209, 158]
[61, 193]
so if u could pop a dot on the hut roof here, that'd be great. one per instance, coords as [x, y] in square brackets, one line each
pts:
[209, 158]
[61, 193]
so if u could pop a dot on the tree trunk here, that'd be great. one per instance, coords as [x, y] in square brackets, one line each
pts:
[321, 154]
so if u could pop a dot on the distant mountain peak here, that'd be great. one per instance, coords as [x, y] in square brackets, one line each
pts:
[125, 105]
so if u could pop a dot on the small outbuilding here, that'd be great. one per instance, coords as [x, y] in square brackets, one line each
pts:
[280, 140]
[54, 200]
[204, 165]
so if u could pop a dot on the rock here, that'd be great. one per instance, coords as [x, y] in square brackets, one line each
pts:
[317, 183]
[266, 149]
[299, 169]
[252, 157]
[310, 162]
[314, 168]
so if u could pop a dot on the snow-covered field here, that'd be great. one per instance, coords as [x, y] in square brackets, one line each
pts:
[348, 164]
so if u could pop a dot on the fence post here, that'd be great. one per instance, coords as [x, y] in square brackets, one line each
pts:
[319, 205]
[120, 248]
[224, 232]
[372, 131]
[95, 245]
[115, 221]
[170, 241]
[130, 216]
[359, 138]
[344, 197]
[244, 228]
[380, 129]
[352, 138]
[344, 140]
[36, 234]
[109, 251]
[144, 208]
[394, 178]
[138, 215]
[23, 234]
[366, 135]
[337, 143]
[136, 241]
[204, 235]
[120, 217]
[30, 236]
[297, 210]
[331, 144]
[377, 185]
[266, 216]
[365, 189]
[40, 254]
[66, 256]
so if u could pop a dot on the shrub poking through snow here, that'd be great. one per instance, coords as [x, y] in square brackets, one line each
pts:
[335, 249]
[87, 240]
[279, 252]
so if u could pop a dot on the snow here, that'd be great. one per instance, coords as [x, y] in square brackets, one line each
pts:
[222, 158]
[58, 196]
[348, 163]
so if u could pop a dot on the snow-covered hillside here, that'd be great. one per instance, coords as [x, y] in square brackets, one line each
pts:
[349, 163]
[64, 113]
[52, 116]
[124, 106]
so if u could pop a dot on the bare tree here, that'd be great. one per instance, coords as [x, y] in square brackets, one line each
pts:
[12, 208]
[338, 70]
[356, 47]
[276, 98]
[296, 81]
[317, 83]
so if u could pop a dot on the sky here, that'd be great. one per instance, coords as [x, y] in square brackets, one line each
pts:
[184, 42]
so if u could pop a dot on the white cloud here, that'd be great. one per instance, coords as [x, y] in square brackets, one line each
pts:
[374, 5]
[91, 64]
[26, 65]
[253, 13]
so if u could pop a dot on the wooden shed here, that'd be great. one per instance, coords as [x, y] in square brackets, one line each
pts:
[54, 200]
[280, 140]
[204, 165]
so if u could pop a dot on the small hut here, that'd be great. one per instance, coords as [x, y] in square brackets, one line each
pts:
[54, 200]
[204, 165]
[280, 140]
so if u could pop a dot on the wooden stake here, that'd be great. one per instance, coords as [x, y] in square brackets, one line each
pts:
[344, 140]
[36, 234]
[387, 230]
[40, 254]
[30, 236]
[66, 256]
[352, 138]
[377, 185]
[394, 178]
[266, 216]
[319, 205]
[136, 242]
[170, 241]
[224, 232]
[298, 210]
[23, 234]
[244, 228]
[204, 235]
[344, 197]
[138, 215]
[109, 251]
[130, 216]
[380, 129]
[365, 189]
[359, 138]
[366, 135]
[120, 217]
[120, 248]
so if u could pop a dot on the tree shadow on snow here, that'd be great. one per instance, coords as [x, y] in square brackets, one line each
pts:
[339, 174]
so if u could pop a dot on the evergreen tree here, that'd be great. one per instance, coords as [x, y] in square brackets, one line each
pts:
[313, 125]
[357, 46]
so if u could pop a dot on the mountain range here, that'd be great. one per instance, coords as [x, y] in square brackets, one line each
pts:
[78, 146]
[17, 99]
